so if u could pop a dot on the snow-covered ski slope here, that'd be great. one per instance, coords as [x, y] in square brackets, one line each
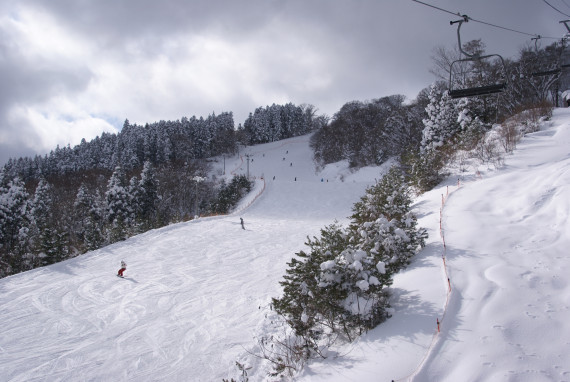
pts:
[196, 293]
[507, 250]
[193, 292]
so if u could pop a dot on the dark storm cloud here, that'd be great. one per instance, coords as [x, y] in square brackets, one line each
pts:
[149, 60]
[26, 82]
[114, 22]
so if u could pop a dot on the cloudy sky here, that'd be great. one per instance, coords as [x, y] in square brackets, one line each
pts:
[72, 69]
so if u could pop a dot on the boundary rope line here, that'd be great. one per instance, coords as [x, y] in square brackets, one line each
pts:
[439, 321]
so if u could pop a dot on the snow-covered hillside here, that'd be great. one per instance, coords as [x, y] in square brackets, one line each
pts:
[506, 316]
[195, 294]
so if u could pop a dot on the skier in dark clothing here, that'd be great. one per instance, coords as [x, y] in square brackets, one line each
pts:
[241, 220]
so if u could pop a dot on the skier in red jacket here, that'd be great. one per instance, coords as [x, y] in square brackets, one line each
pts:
[123, 268]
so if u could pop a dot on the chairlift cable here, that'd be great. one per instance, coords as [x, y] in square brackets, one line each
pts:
[483, 22]
[508, 29]
[438, 8]
[556, 9]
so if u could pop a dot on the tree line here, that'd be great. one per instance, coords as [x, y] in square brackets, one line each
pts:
[338, 288]
[369, 132]
[164, 142]
[73, 200]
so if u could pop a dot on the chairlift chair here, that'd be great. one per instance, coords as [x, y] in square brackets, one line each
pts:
[550, 72]
[547, 72]
[479, 90]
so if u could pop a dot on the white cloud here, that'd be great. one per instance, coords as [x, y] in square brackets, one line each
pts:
[47, 130]
[39, 38]
[71, 63]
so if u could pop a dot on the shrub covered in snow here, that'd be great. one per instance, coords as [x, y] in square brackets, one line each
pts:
[339, 287]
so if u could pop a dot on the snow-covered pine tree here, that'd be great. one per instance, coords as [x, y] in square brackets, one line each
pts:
[471, 128]
[389, 197]
[230, 193]
[362, 278]
[224, 137]
[339, 286]
[383, 222]
[440, 126]
[135, 195]
[201, 138]
[260, 126]
[13, 223]
[118, 206]
[309, 304]
[89, 218]
[81, 207]
[275, 132]
[385, 237]
[43, 235]
[441, 123]
[95, 235]
[148, 195]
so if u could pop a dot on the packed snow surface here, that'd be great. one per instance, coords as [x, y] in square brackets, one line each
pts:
[196, 294]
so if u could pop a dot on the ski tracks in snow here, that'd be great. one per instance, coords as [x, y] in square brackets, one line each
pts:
[505, 275]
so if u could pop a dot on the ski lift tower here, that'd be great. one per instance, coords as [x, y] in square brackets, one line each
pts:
[564, 81]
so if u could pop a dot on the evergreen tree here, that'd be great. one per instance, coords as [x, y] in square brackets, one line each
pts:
[440, 127]
[82, 207]
[390, 197]
[441, 122]
[471, 128]
[229, 194]
[384, 224]
[308, 303]
[45, 240]
[13, 222]
[88, 210]
[340, 284]
[118, 206]
[146, 199]
[134, 196]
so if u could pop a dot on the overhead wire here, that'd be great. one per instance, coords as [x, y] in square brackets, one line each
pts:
[484, 22]
[556, 9]
[505, 28]
[438, 8]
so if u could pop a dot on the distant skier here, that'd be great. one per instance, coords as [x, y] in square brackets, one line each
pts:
[241, 220]
[123, 268]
